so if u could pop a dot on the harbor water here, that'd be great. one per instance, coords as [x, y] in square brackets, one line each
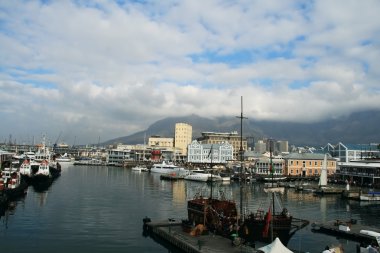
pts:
[100, 209]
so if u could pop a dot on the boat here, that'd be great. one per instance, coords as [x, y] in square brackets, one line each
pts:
[43, 153]
[322, 184]
[89, 161]
[370, 196]
[217, 215]
[65, 158]
[140, 168]
[27, 169]
[42, 179]
[12, 184]
[168, 168]
[265, 226]
[202, 176]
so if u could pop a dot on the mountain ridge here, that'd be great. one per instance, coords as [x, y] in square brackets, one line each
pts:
[358, 127]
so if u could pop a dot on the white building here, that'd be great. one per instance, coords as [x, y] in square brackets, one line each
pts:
[209, 153]
[118, 156]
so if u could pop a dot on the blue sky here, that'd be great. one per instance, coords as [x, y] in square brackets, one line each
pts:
[112, 68]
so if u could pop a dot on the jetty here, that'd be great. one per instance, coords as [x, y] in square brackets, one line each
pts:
[345, 229]
[171, 233]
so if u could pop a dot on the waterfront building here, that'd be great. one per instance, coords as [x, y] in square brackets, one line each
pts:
[308, 164]
[183, 137]
[364, 172]
[160, 142]
[118, 156]
[263, 166]
[232, 138]
[219, 153]
[349, 152]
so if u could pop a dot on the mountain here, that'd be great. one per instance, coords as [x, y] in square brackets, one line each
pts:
[359, 127]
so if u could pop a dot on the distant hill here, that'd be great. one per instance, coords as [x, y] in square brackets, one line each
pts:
[360, 127]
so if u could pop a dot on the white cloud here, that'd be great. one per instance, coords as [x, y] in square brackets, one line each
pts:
[110, 70]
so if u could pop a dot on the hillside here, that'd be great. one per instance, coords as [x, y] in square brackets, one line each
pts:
[361, 127]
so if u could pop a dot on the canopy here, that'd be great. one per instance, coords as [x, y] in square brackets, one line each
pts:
[275, 247]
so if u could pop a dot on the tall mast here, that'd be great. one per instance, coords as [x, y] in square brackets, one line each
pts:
[272, 172]
[241, 152]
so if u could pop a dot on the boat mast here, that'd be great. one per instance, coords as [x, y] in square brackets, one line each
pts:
[211, 153]
[272, 172]
[241, 152]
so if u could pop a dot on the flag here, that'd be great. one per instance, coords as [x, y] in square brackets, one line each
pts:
[268, 218]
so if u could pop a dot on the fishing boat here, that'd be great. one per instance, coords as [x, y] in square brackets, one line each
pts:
[27, 169]
[42, 179]
[12, 184]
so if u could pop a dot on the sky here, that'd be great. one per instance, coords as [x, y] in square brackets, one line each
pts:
[90, 71]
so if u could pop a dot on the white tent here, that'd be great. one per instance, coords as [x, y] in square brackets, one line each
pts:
[275, 247]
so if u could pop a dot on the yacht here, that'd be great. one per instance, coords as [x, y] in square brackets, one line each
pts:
[168, 168]
[202, 176]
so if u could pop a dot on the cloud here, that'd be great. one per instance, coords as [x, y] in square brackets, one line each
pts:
[109, 69]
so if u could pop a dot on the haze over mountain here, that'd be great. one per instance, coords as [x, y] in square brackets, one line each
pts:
[360, 127]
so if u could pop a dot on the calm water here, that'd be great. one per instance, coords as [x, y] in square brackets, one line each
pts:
[100, 209]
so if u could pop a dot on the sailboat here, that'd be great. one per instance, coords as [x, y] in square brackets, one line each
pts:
[261, 226]
[322, 184]
[218, 215]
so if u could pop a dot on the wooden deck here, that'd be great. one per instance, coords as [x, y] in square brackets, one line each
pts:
[332, 228]
[171, 234]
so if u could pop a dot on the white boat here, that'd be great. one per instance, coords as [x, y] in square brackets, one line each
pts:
[64, 158]
[202, 176]
[28, 168]
[140, 168]
[168, 168]
[370, 196]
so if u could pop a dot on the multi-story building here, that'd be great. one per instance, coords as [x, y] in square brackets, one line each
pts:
[263, 166]
[365, 172]
[118, 156]
[161, 142]
[209, 153]
[260, 147]
[183, 136]
[282, 146]
[308, 164]
[232, 138]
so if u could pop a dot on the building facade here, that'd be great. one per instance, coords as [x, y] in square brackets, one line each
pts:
[308, 164]
[183, 136]
[263, 166]
[199, 153]
[232, 138]
[163, 142]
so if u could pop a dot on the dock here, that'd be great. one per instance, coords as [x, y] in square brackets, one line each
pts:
[171, 233]
[349, 230]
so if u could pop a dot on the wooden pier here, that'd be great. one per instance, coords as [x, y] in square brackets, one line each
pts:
[348, 230]
[171, 232]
